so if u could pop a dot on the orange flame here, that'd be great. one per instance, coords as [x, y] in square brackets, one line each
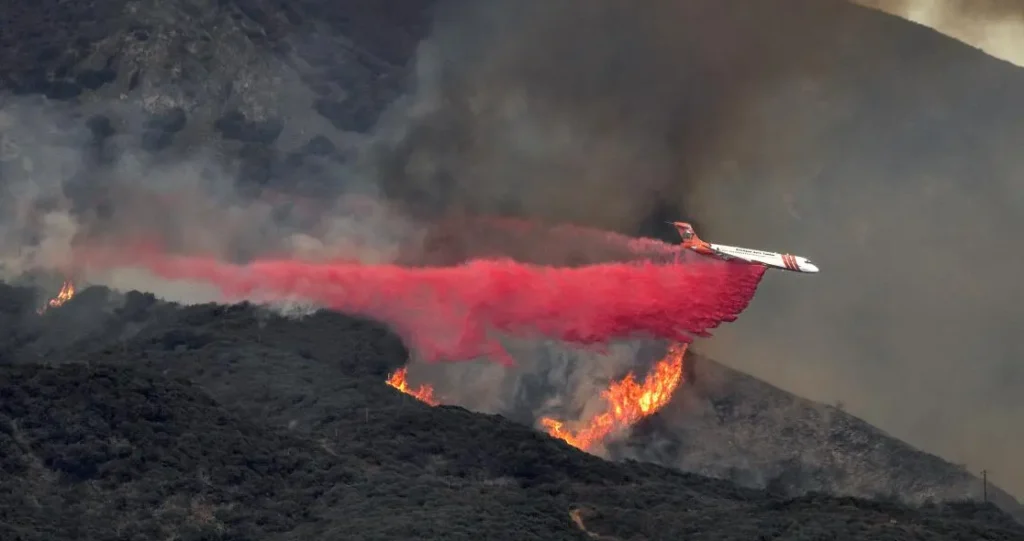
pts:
[628, 402]
[425, 392]
[67, 290]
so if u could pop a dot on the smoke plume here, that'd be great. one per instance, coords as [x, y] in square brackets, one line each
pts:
[882, 152]
[890, 161]
[598, 113]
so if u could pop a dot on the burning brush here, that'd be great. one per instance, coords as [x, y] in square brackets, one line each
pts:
[424, 393]
[628, 401]
[67, 291]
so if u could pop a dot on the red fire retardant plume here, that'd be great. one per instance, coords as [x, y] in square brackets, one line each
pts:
[454, 313]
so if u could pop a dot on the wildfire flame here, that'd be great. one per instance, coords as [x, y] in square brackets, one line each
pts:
[425, 392]
[628, 402]
[67, 290]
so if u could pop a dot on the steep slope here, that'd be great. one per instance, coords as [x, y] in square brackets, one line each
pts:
[271, 93]
[865, 142]
[143, 51]
[896, 171]
[290, 433]
[881, 149]
[729, 425]
[719, 422]
[993, 26]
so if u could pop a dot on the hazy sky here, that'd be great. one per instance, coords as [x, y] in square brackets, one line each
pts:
[995, 26]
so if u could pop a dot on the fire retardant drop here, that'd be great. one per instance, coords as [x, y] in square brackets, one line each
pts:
[456, 313]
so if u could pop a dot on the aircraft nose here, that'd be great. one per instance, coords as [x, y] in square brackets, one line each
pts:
[807, 266]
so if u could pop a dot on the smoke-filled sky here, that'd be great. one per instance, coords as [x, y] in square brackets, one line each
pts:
[890, 161]
[880, 151]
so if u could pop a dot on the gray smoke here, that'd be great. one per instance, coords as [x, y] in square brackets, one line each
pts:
[771, 127]
[598, 113]
[140, 159]
[777, 126]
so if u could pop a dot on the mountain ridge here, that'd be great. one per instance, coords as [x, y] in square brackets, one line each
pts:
[299, 108]
[136, 414]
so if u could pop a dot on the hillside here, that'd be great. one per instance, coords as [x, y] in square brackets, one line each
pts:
[879, 148]
[719, 423]
[729, 425]
[866, 143]
[219, 421]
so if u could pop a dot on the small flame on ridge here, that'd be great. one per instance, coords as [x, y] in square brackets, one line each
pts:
[67, 291]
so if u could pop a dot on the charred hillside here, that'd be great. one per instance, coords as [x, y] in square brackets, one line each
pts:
[868, 143]
[726, 424]
[272, 94]
[230, 422]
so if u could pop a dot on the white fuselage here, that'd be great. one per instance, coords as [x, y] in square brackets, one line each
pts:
[772, 259]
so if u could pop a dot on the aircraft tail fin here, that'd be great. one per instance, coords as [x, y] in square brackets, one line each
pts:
[686, 232]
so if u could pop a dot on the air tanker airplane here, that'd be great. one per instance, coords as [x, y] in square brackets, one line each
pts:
[769, 259]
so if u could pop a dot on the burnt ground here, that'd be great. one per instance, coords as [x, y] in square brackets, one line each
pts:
[138, 419]
[127, 418]
[729, 425]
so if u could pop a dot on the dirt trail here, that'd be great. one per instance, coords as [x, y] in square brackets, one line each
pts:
[577, 517]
